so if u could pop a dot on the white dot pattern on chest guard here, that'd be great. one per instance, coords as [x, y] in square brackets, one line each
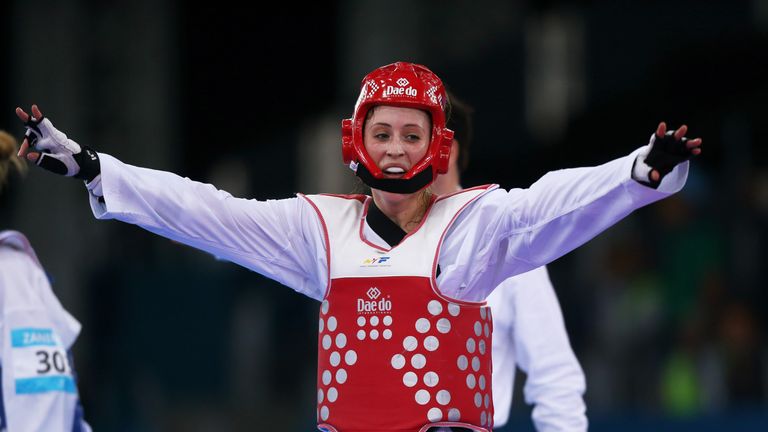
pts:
[430, 343]
[413, 361]
[333, 344]
[470, 364]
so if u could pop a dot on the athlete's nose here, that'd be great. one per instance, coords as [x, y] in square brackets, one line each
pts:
[395, 148]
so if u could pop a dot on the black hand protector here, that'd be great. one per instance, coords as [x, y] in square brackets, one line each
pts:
[666, 152]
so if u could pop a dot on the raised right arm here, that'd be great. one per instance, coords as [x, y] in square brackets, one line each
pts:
[281, 239]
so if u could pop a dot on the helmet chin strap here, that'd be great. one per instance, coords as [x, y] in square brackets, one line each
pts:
[401, 186]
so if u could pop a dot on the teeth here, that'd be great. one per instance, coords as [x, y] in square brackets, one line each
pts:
[394, 170]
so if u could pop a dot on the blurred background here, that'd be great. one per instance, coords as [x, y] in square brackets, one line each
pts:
[666, 311]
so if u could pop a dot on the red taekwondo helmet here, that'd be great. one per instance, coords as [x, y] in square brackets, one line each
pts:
[406, 85]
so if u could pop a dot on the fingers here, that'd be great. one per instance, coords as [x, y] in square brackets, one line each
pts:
[680, 132]
[23, 149]
[695, 146]
[24, 152]
[692, 144]
[22, 115]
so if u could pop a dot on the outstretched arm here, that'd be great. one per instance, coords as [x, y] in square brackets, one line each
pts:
[566, 208]
[281, 239]
[528, 228]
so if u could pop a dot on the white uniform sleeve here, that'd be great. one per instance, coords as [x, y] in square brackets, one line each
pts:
[38, 384]
[281, 239]
[566, 208]
[503, 234]
[555, 382]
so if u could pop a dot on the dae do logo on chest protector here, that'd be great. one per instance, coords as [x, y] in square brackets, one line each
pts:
[375, 302]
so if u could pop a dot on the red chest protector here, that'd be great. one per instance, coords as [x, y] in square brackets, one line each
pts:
[394, 354]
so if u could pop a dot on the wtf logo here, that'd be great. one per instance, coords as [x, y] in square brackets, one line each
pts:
[376, 261]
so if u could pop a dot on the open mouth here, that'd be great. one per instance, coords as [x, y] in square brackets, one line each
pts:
[394, 171]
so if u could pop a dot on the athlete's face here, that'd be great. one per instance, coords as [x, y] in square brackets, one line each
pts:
[396, 138]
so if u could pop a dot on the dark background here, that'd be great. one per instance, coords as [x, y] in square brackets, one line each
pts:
[666, 310]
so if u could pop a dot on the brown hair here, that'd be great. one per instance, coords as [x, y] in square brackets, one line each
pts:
[8, 158]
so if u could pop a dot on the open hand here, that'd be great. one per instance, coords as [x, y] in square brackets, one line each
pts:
[670, 148]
